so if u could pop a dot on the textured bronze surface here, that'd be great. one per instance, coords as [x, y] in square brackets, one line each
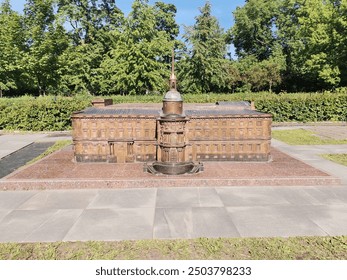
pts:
[172, 107]
[170, 168]
[130, 132]
[171, 137]
[102, 102]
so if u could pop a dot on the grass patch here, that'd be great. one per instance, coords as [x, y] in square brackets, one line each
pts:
[57, 146]
[303, 137]
[338, 158]
[296, 248]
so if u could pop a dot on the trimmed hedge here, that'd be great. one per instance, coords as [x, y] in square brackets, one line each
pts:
[39, 114]
[53, 113]
[305, 107]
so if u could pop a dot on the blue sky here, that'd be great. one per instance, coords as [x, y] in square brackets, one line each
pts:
[186, 10]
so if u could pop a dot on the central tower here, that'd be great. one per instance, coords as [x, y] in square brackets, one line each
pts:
[172, 102]
[172, 135]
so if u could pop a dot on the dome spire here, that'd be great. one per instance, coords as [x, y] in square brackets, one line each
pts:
[173, 79]
[173, 94]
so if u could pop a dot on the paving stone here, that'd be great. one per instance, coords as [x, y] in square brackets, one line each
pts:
[5, 152]
[60, 199]
[328, 195]
[193, 223]
[125, 198]
[208, 197]
[19, 158]
[296, 195]
[188, 197]
[178, 198]
[56, 228]
[13, 199]
[112, 225]
[3, 213]
[330, 218]
[339, 191]
[243, 196]
[10, 143]
[272, 221]
[186, 212]
[19, 224]
[329, 132]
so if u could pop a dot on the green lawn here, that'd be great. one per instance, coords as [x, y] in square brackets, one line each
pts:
[296, 248]
[338, 158]
[303, 137]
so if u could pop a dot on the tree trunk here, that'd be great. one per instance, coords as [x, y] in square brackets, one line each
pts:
[0, 93]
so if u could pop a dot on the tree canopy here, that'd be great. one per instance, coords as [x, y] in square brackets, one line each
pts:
[91, 47]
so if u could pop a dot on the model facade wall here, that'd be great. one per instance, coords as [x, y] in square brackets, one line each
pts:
[134, 138]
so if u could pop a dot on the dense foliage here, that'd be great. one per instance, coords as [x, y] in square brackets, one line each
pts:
[66, 47]
[310, 35]
[53, 113]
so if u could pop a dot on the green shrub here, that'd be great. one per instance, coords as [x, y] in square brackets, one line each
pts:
[39, 114]
[305, 107]
[53, 113]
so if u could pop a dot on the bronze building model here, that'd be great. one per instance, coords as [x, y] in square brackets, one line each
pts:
[171, 135]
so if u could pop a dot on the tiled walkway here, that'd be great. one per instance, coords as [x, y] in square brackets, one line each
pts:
[189, 212]
[71, 215]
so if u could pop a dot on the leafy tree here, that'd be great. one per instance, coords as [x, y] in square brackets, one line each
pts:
[79, 69]
[46, 41]
[11, 47]
[311, 34]
[340, 38]
[92, 24]
[88, 17]
[203, 69]
[136, 62]
[165, 19]
[255, 28]
[316, 58]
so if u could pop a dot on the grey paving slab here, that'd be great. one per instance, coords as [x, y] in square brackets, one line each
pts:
[328, 195]
[19, 224]
[331, 218]
[193, 223]
[329, 132]
[60, 199]
[331, 149]
[208, 197]
[5, 152]
[213, 222]
[296, 195]
[337, 191]
[4, 213]
[331, 167]
[19, 158]
[10, 143]
[13, 199]
[310, 155]
[56, 227]
[317, 149]
[188, 197]
[272, 221]
[125, 198]
[177, 198]
[250, 196]
[113, 224]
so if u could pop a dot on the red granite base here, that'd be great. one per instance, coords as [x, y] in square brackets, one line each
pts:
[58, 171]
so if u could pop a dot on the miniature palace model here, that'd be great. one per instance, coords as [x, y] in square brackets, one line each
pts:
[176, 140]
